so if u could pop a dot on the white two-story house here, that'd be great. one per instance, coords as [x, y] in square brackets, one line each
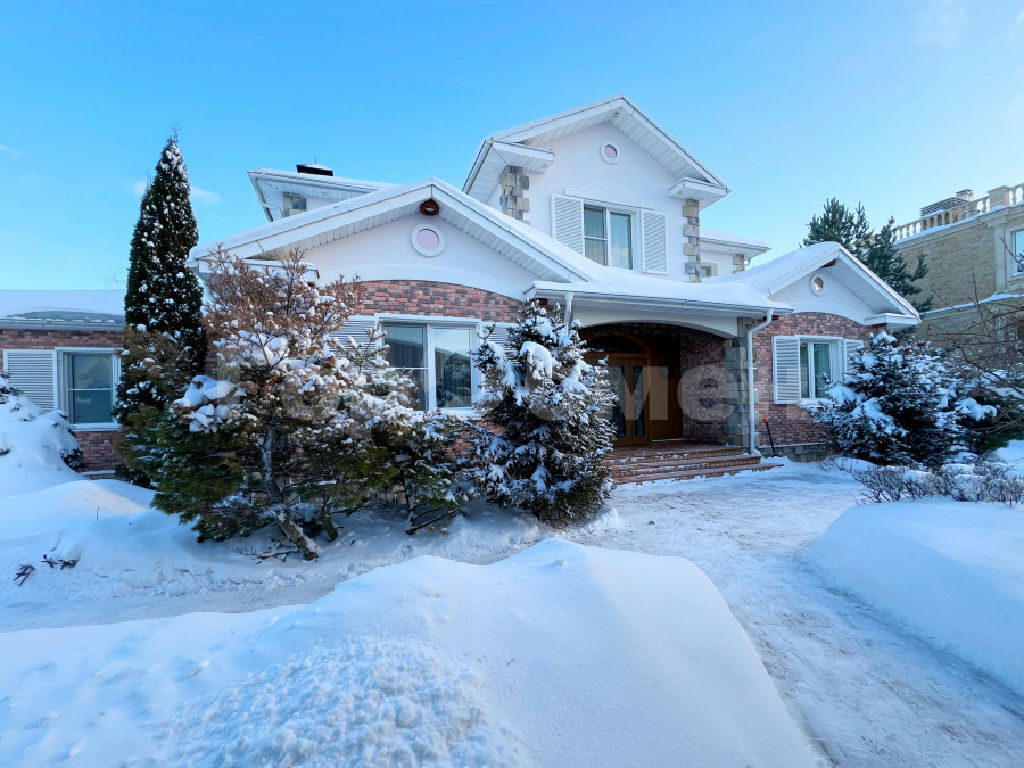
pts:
[597, 210]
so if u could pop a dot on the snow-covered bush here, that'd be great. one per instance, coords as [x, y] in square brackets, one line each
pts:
[548, 410]
[896, 405]
[301, 424]
[981, 481]
[31, 440]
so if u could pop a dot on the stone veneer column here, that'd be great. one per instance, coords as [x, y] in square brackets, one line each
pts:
[514, 186]
[691, 230]
[739, 262]
[735, 365]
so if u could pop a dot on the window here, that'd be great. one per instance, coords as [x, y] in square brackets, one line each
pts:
[89, 382]
[438, 358]
[816, 367]
[608, 237]
[292, 203]
[1017, 246]
[707, 270]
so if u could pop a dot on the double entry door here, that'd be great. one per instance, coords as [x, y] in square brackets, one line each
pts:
[630, 416]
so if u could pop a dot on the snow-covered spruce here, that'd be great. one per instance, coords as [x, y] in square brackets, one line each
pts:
[304, 424]
[896, 405]
[549, 409]
[164, 336]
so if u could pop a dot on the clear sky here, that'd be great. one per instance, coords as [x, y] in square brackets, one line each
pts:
[895, 104]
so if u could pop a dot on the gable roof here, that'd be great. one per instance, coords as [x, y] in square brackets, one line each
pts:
[779, 273]
[512, 239]
[694, 179]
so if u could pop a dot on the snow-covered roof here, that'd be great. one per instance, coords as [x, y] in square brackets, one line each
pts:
[75, 308]
[781, 272]
[727, 238]
[694, 179]
[270, 186]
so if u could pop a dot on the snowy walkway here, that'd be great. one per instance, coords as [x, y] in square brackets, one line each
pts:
[869, 694]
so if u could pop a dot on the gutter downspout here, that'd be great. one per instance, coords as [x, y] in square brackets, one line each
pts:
[567, 314]
[750, 376]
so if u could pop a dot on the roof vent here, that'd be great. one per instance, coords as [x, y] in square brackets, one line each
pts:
[313, 168]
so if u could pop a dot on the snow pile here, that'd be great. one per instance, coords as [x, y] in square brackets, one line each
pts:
[950, 571]
[32, 444]
[559, 655]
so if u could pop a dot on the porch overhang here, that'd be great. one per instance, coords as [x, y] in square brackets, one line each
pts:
[595, 306]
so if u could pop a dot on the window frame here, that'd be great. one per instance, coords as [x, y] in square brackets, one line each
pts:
[836, 352]
[429, 324]
[64, 384]
[1018, 265]
[633, 216]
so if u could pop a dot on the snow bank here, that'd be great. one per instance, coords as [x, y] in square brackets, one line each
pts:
[950, 571]
[32, 445]
[559, 655]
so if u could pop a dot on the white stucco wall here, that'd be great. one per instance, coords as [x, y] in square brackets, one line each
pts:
[835, 299]
[636, 181]
[386, 253]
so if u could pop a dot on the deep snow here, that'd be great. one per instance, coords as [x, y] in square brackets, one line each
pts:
[864, 690]
[952, 572]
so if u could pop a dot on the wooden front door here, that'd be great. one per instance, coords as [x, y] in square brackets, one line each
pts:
[630, 416]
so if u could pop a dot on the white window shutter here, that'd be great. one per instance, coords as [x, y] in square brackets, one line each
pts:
[359, 328]
[850, 347]
[786, 369]
[654, 234]
[500, 334]
[567, 221]
[34, 372]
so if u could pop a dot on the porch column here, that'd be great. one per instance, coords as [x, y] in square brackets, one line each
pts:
[738, 423]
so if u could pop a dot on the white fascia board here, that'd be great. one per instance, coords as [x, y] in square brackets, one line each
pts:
[554, 290]
[892, 320]
[699, 190]
[316, 180]
[880, 285]
[494, 155]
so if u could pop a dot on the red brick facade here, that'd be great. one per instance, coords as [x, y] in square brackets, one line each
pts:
[420, 297]
[791, 424]
[97, 446]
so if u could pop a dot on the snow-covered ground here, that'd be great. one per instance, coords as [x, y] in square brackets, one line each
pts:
[95, 653]
[952, 572]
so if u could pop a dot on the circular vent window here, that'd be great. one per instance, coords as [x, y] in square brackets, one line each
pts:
[609, 153]
[817, 285]
[427, 240]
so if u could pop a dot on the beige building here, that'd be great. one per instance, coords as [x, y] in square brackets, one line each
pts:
[974, 251]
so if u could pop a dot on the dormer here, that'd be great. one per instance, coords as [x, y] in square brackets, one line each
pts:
[311, 186]
[604, 180]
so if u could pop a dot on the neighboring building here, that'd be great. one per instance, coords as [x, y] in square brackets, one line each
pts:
[598, 210]
[974, 251]
[61, 349]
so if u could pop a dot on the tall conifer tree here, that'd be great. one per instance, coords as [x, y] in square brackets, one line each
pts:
[164, 334]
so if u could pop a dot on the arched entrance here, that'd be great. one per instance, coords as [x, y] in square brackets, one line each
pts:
[644, 375]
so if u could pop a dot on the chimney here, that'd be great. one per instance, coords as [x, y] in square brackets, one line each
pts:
[313, 168]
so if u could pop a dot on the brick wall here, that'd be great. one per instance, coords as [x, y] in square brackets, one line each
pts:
[97, 446]
[420, 297]
[791, 424]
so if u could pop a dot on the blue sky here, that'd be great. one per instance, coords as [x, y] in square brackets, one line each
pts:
[895, 104]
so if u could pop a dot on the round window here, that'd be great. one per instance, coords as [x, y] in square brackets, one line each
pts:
[427, 240]
[817, 285]
[609, 152]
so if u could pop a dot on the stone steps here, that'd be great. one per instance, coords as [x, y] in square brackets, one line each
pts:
[674, 460]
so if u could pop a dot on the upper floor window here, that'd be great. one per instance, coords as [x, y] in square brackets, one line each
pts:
[438, 358]
[608, 236]
[1017, 246]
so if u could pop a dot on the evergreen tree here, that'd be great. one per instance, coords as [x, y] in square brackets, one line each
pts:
[884, 259]
[164, 335]
[896, 405]
[549, 408]
[840, 225]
